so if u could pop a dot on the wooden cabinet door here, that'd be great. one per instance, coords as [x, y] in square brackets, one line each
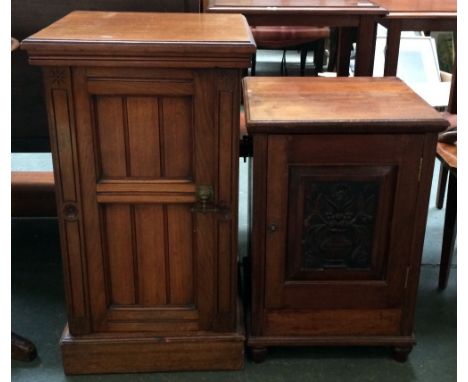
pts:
[144, 140]
[339, 216]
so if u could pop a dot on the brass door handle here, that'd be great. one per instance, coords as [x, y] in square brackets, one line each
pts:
[204, 205]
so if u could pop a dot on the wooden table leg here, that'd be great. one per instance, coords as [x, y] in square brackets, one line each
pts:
[319, 56]
[450, 231]
[392, 49]
[365, 47]
[344, 42]
[333, 50]
[441, 186]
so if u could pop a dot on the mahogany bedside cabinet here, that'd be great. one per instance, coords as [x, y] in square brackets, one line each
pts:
[342, 170]
[144, 126]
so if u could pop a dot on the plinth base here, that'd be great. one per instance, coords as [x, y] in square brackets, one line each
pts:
[98, 353]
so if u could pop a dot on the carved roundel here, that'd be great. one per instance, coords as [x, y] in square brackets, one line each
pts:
[70, 211]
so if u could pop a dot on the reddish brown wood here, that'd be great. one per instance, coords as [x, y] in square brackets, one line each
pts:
[288, 105]
[452, 105]
[392, 49]
[128, 353]
[365, 46]
[332, 13]
[333, 322]
[427, 15]
[126, 39]
[335, 259]
[419, 6]
[33, 193]
[447, 153]
[259, 199]
[132, 148]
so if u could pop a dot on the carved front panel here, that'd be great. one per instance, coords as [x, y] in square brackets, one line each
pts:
[338, 224]
[334, 214]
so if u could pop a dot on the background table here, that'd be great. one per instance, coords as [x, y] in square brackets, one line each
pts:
[404, 15]
[345, 14]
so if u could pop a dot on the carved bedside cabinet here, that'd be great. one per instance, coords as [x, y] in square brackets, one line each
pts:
[144, 123]
[341, 180]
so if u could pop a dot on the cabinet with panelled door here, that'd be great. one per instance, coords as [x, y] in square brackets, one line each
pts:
[144, 118]
[341, 178]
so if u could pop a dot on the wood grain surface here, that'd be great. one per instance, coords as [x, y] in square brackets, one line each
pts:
[143, 257]
[344, 104]
[286, 6]
[447, 153]
[155, 29]
[418, 6]
[341, 177]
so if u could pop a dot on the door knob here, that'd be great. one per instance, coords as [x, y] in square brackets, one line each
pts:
[204, 205]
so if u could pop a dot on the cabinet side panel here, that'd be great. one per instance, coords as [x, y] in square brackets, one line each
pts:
[227, 88]
[420, 221]
[61, 110]
[59, 98]
[204, 174]
[259, 195]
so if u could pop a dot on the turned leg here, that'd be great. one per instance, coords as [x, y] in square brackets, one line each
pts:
[259, 354]
[400, 354]
[22, 349]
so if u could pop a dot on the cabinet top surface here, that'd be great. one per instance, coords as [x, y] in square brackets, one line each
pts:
[416, 6]
[288, 6]
[358, 104]
[151, 31]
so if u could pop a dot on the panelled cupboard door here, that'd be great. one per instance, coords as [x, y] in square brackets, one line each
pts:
[330, 230]
[145, 140]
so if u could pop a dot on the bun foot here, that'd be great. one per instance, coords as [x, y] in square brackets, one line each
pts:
[259, 354]
[400, 354]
